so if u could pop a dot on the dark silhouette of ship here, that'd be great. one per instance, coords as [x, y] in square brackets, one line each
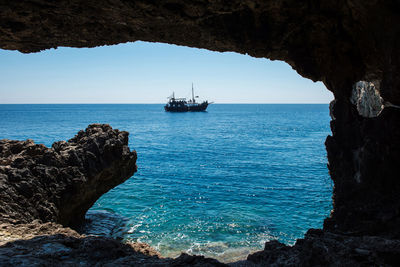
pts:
[182, 105]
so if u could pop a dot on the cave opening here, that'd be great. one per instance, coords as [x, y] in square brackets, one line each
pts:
[243, 175]
[337, 42]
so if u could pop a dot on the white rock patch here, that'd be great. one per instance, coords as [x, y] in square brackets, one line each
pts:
[366, 97]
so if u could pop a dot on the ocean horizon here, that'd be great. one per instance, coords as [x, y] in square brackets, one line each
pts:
[218, 183]
[213, 103]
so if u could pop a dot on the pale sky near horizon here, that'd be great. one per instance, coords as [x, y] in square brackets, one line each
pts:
[143, 72]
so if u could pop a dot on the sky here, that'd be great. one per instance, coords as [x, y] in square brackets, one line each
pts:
[142, 72]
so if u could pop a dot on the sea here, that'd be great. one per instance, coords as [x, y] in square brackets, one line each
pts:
[218, 183]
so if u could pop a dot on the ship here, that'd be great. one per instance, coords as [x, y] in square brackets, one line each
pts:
[182, 105]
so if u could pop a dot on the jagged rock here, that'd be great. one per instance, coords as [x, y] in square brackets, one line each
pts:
[364, 160]
[13, 232]
[59, 184]
[50, 244]
[323, 248]
[366, 97]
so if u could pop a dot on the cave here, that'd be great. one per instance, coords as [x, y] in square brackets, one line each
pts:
[351, 46]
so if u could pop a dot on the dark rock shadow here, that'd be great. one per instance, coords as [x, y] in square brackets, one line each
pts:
[63, 250]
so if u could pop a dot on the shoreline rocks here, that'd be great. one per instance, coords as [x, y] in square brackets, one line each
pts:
[324, 248]
[51, 244]
[59, 184]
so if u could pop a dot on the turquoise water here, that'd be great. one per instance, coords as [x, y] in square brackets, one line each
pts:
[218, 183]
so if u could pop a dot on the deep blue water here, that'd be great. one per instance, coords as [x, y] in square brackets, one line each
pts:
[218, 183]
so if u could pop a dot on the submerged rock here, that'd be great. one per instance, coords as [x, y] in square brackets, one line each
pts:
[59, 184]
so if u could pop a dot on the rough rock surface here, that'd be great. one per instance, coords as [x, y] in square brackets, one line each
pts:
[59, 184]
[13, 232]
[364, 162]
[366, 97]
[322, 248]
[337, 42]
[50, 244]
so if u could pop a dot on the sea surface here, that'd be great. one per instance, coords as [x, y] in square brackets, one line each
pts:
[219, 183]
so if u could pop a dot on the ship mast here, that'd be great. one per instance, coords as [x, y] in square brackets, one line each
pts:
[192, 94]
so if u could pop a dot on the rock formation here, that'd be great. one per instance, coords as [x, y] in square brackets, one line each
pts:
[50, 244]
[59, 184]
[337, 42]
[322, 248]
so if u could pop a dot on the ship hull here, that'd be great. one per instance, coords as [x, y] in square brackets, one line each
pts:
[200, 107]
[176, 109]
[190, 108]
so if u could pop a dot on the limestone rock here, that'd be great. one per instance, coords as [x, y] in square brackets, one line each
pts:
[50, 244]
[13, 232]
[59, 184]
[366, 97]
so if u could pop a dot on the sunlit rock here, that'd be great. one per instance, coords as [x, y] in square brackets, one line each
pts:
[366, 97]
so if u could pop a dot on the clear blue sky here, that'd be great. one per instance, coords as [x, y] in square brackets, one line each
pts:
[147, 73]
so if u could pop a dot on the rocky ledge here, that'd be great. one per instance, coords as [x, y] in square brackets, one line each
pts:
[324, 248]
[50, 244]
[59, 184]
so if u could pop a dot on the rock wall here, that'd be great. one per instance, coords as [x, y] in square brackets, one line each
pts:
[59, 184]
[364, 162]
[322, 248]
